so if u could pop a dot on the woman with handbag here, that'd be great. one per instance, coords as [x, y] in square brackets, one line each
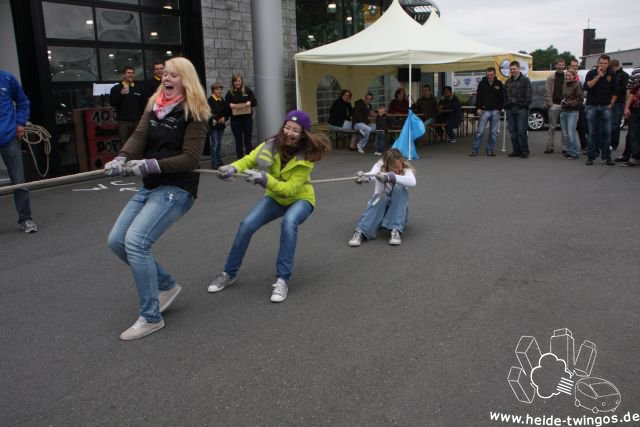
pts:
[241, 100]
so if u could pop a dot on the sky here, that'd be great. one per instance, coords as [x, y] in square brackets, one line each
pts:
[536, 24]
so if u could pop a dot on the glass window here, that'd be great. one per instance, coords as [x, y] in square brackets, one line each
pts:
[151, 56]
[72, 64]
[165, 4]
[163, 29]
[112, 61]
[118, 25]
[119, 1]
[328, 91]
[64, 21]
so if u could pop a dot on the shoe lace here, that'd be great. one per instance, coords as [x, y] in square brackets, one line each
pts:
[279, 287]
[395, 234]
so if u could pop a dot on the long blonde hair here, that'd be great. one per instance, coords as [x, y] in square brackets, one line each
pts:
[195, 98]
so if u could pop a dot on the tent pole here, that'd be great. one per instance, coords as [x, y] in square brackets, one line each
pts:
[410, 140]
[504, 132]
[298, 100]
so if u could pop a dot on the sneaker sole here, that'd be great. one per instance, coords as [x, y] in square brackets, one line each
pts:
[170, 300]
[277, 299]
[395, 243]
[214, 289]
[354, 245]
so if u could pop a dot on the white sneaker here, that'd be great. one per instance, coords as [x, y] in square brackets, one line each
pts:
[280, 290]
[165, 298]
[377, 153]
[221, 281]
[356, 240]
[360, 150]
[28, 226]
[395, 238]
[141, 329]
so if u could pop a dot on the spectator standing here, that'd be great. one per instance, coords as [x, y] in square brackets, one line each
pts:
[383, 124]
[518, 94]
[632, 113]
[14, 113]
[362, 121]
[427, 105]
[572, 99]
[573, 65]
[128, 99]
[618, 108]
[552, 99]
[489, 101]
[450, 112]
[241, 100]
[152, 85]
[601, 84]
[220, 113]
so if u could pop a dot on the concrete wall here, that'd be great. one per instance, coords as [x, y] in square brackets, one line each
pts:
[228, 49]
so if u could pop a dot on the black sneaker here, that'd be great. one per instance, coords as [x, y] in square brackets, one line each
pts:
[524, 155]
[620, 159]
[514, 154]
[491, 154]
[548, 150]
[564, 155]
[589, 162]
[571, 157]
[473, 154]
[609, 162]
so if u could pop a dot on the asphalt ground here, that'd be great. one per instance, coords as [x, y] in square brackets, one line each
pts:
[421, 334]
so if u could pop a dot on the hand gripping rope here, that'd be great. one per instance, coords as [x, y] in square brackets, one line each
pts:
[97, 173]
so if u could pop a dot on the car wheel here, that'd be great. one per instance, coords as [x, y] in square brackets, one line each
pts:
[536, 120]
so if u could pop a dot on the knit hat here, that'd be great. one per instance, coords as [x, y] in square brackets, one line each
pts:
[299, 117]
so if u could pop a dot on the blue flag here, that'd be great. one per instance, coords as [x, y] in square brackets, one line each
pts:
[412, 125]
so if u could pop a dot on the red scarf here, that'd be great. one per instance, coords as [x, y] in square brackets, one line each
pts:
[163, 106]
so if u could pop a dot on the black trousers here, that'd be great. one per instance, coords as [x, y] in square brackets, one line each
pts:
[242, 128]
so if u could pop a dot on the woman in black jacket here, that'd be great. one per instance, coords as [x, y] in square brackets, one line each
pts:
[241, 100]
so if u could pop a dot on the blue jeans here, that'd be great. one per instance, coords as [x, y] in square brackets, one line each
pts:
[616, 117]
[599, 131]
[634, 134]
[147, 215]
[12, 157]
[391, 213]
[242, 129]
[381, 139]
[265, 211]
[518, 119]
[568, 123]
[364, 139]
[494, 117]
[215, 139]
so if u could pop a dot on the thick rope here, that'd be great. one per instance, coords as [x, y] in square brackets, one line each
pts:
[96, 173]
[34, 135]
[50, 181]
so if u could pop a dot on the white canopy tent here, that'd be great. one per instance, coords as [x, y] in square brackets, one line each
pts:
[395, 40]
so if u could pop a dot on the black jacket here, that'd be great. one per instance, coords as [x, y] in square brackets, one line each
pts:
[361, 112]
[339, 112]
[490, 96]
[164, 140]
[240, 98]
[150, 87]
[219, 109]
[128, 107]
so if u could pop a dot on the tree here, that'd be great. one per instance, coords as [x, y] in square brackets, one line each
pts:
[546, 59]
